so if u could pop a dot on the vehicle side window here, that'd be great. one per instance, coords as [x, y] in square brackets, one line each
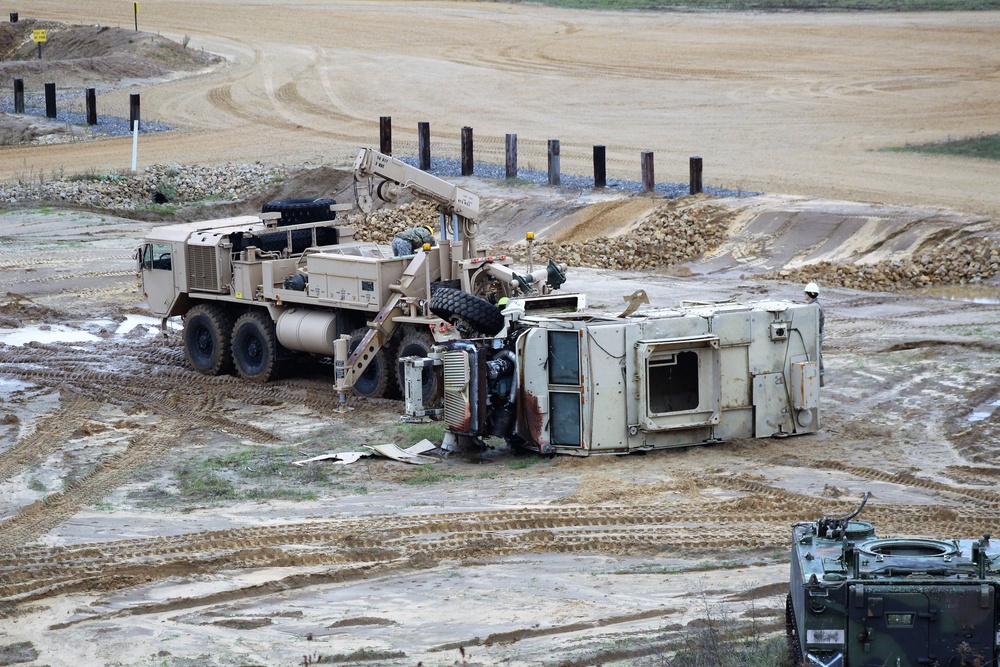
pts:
[157, 256]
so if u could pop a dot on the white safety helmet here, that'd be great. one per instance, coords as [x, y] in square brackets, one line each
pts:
[812, 289]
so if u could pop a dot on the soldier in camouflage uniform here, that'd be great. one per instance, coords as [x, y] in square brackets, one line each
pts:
[408, 241]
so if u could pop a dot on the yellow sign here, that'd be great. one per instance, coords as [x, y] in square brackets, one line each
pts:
[136, 7]
[39, 35]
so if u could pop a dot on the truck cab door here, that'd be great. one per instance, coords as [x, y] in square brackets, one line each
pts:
[156, 271]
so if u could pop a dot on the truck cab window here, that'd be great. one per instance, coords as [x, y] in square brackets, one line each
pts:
[156, 256]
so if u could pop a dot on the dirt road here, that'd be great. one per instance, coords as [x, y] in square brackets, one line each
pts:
[781, 103]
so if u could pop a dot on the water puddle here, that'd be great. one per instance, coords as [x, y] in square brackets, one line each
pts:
[80, 332]
[981, 414]
[45, 333]
[971, 293]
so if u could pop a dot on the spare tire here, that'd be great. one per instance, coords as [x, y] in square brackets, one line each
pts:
[300, 210]
[450, 304]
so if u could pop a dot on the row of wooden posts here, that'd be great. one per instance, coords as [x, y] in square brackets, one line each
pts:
[468, 166]
[423, 143]
[91, 97]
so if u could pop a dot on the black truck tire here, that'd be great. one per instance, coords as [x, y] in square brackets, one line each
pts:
[255, 346]
[419, 344]
[377, 380]
[208, 328]
[479, 313]
[300, 210]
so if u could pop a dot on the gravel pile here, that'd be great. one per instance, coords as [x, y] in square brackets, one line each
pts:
[948, 265]
[114, 126]
[381, 225]
[129, 192]
[669, 236]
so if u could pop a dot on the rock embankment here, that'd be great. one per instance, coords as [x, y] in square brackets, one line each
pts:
[949, 265]
[675, 233]
[132, 192]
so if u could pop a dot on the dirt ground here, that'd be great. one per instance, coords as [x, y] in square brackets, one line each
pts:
[152, 516]
[780, 102]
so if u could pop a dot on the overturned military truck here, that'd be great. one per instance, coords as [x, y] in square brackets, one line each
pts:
[559, 380]
[857, 600]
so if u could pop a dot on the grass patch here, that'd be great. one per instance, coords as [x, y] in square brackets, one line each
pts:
[427, 474]
[406, 434]
[779, 5]
[199, 484]
[984, 146]
[253, 474]
[524, 462]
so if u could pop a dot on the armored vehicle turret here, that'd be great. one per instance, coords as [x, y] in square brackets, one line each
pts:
[857, 600]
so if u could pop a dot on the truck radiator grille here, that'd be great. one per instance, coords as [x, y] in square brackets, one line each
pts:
[203, 268]
[456, 390]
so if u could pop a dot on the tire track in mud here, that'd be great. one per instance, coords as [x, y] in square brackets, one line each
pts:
[75, 276]
[158, 390]
[36, 572]
[43, 515]
[989, 498]
[50, 432]
[160, 368]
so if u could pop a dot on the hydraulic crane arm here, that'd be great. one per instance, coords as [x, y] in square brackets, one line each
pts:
[401, 176]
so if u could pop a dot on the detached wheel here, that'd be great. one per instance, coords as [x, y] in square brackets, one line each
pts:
[207, 331]
[418, 344]
[378, 377]
[255, 347]
[480, 314]
[300, 210]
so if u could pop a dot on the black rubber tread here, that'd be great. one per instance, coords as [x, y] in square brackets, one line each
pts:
[792, 634]
[300, 210]
[378, 379]
[418, 343]
[482, 315]
[208, 328]
[255, 346]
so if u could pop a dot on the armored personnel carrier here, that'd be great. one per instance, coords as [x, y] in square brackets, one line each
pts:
[857, 600]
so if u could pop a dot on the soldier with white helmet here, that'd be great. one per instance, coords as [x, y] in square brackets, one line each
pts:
[812, 296]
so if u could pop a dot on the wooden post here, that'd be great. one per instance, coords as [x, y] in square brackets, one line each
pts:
[424, 145]
[648, 179]
[600, 167]
[385, 135]
[695, 164]
[91, 106]
[553, 162]
[50, 99]
[511, 155]
[133, 111]
[18, 95]
[468, 163]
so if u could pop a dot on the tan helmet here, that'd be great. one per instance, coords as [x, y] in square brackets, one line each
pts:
[812, 289]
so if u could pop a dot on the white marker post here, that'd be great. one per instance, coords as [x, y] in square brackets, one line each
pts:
[135, 143]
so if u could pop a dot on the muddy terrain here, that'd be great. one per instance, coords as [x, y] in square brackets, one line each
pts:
[153, 516]
[150, 512]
